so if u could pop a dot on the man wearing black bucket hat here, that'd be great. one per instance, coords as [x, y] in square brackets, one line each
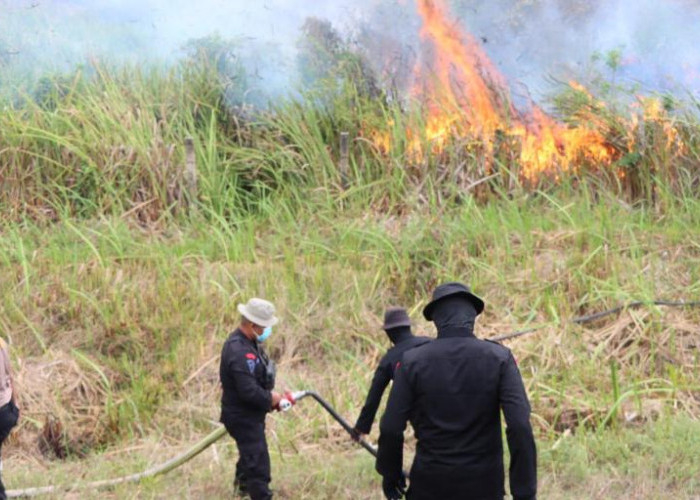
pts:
[397, 326]
[452, 390]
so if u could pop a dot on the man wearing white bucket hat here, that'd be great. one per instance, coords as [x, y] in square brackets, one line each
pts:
[248, 377]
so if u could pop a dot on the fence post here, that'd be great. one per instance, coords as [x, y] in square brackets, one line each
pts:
[344, 167]
[190, 176]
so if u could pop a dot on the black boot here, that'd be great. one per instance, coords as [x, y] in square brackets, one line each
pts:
[240, 488]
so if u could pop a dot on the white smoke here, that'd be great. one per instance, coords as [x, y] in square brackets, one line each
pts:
[534, 42]
[40, 36]
[531, 42]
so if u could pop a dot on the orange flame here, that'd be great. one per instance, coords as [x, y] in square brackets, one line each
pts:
[655, 115]
[466, 96]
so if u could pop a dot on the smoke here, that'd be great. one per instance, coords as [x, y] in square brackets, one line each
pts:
[42, 36]
[650, 43]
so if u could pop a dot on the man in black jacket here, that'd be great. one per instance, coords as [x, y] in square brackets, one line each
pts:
[397, 326]
[248, 377]
[452, 390]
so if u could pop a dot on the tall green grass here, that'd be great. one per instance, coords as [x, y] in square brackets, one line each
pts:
[109, 141]
[151, 307]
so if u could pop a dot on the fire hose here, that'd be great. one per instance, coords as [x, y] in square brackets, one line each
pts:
[302, 394]
[289, 399]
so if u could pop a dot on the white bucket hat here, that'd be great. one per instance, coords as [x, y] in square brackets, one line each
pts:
[259, 311]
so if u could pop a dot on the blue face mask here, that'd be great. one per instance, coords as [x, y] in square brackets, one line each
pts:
[265, 334]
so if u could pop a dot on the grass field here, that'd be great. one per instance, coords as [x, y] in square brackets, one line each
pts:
[120, 283]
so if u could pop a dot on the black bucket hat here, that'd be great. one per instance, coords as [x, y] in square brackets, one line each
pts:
[395, 317]
[452, 288]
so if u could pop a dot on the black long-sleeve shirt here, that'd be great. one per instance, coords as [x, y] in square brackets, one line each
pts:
[242, 374]
[383, 375]
[452, 390]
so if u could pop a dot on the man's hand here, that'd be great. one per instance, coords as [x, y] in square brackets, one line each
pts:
[289, 396]
[394, 488]
[357, 435]
[286, 402]
[276, 397]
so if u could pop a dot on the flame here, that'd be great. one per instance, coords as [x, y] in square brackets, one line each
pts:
[655, 115]
[465, 96]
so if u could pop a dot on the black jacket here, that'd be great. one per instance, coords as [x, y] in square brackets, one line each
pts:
[383, 375]
[452, 391]
[242, 373]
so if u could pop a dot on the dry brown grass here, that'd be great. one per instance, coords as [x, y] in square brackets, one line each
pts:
[64, 406]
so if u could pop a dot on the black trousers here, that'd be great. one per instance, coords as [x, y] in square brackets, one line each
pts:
[447, 482]
[253, 466]
[9, 414]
